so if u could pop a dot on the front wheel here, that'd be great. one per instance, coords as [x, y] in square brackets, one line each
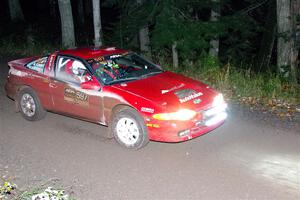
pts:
[30, 106]
[129, 129]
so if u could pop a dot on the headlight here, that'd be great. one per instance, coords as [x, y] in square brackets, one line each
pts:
[218, 100]
[181, 115]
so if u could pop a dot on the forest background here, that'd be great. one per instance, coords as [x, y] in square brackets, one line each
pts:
[248, 49]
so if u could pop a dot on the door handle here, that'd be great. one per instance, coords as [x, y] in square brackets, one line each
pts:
[52, 85]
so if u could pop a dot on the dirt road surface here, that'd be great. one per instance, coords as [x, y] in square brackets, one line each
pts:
[252, 156]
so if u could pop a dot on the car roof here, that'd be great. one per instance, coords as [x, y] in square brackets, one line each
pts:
[92, 52]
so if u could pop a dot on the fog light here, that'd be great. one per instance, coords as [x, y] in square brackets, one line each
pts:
[183, 133]
[215, 110]
[216, 119]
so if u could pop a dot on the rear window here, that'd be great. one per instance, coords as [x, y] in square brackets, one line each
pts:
[38, 65]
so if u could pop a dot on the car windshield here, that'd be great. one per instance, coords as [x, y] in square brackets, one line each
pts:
[117, 68]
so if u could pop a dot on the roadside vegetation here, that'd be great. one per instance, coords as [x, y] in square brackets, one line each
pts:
[10, 191]
[266, 90]
[27, 40]
[237, 47]
[248, 50]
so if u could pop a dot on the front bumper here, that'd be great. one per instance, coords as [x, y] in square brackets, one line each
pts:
[179, 131]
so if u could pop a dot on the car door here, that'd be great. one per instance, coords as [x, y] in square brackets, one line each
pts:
[38, 80]
[68, 96]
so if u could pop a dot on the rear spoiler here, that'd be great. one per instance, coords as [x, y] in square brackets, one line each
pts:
[22, 61]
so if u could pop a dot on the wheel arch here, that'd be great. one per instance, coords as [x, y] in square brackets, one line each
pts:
[38, 112]
[129, 112]
[117, 108]
[17, 95]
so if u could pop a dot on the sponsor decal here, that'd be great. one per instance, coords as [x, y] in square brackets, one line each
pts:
[75, 96]
[197, 101]
[99, 59]
[16, 72]
[110, 48]
[172, 89]
[45, 80]
[147, 110]
[50, 62]
[51, 59]
[190, 97]
[115, 56]
[153, 125]
[187, 95]
[164, 91]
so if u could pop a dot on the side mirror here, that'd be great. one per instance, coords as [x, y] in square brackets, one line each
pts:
[92, 84]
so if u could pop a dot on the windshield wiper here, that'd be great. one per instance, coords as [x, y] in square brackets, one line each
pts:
[122, 80]
[151, 74]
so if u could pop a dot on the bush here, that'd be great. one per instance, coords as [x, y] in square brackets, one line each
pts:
[27, 41]
[237, 83]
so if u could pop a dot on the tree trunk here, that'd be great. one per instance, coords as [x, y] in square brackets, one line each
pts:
[214, 17]
[80, 12]
[52, 7]
[97, 23]
[284, 35]
[144, 40]
[268, 39]
[175, 55]
[67, 26]
[88, 8]
[43, 6]
[15, 10]
[144, 36]
[295, 11]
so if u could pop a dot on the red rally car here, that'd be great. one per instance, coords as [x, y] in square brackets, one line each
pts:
[117, 88]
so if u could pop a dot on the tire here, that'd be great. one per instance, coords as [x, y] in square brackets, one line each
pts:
[129, 129]
[30, 105]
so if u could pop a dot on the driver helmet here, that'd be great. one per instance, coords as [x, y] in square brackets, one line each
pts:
[77, 67]
[109, 63]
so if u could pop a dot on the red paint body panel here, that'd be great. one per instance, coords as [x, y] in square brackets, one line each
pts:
[152, 87]
[19, 76]
[87, 53]
[148, 96]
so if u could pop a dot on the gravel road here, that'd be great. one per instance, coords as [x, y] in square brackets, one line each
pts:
[252, 156]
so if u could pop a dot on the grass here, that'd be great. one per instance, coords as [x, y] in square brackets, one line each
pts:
[23, 40]
[9, 190]
[264, 89]
[233, 82]
[14, 45]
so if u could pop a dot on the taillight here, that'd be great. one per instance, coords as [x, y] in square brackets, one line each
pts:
[9, 72]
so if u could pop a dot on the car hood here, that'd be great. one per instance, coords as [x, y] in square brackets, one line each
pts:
[171, 91]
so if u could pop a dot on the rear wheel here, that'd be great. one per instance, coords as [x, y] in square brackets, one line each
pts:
[30, 106]
[129, 129]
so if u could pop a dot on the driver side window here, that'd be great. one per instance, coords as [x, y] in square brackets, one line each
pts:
[69, 69]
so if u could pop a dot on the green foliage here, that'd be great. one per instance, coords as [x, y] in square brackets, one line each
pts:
[132, 16]
[9, 190]
[26, 41]
[19, 46]
[177, 21]
[42, 193]
[6, 188]
[188, 23]
[236, 83]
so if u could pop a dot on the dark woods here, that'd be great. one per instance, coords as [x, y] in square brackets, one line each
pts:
[260, 35]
